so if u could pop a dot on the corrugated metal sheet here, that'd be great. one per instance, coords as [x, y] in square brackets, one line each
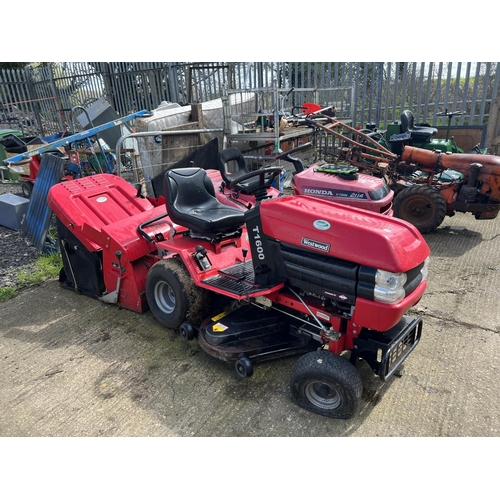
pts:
[37, 222]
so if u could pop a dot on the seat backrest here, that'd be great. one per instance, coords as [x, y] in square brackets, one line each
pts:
[227, 155]
[186, 188]
[407, 121]
[190, 201]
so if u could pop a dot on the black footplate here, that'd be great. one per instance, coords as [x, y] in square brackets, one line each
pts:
[237, 279]
[386, 351]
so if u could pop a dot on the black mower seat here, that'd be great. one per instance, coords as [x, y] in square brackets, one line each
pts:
[419, 134]
[248, 186]
[191, 202]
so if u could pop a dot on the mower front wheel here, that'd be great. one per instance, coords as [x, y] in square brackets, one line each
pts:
[326, 384]
[244, 367]
[187, 332]
[172, 295]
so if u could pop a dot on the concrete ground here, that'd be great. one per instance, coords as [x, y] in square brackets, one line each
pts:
[72, 366]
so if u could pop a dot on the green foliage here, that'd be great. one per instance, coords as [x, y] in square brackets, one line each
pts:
[45, 268]
[7, 292]
[13, 65]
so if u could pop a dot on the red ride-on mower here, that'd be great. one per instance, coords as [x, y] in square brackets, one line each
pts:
[304, 276]
[321, 180]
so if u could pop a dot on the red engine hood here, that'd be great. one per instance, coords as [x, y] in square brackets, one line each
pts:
[365, 183]
[344, 232]
[356, 193]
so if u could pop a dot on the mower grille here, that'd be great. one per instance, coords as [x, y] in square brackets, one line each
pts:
[320, 274]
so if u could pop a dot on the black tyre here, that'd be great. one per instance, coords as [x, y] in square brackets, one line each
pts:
[27, 189]
[187, 331]
[244, 367]
[421, 206]
[172, 295]
[326, 384]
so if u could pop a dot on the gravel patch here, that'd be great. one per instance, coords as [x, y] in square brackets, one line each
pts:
[16, 251]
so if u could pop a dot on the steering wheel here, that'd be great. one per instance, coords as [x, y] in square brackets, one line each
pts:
[297, 163]
[261, 174]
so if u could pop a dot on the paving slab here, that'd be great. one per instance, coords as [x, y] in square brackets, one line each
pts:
[73, 366]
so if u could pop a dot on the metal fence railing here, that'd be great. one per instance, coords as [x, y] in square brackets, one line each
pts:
[39, 98]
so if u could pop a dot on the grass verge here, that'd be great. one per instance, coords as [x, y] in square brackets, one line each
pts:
[46, 267]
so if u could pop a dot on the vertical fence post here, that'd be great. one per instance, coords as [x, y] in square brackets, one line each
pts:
[36, 105]
[493, 124]
[173, 90]
[379, 93]
[108, 87]
[56, 95]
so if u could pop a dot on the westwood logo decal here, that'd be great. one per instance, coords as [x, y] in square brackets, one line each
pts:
[317, 245]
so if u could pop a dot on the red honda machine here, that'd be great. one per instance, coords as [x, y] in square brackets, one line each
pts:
[345, 185]
[303, 276]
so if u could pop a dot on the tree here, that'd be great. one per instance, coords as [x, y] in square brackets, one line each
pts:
[13, 65]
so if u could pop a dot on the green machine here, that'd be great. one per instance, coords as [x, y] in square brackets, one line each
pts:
[404, 132]
[5, 173]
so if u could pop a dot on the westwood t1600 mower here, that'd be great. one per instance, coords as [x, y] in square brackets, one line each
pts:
[304, 275]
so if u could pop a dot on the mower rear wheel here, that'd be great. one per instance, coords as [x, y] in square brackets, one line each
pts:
[172, 295]
[421, 206]
[326, 384]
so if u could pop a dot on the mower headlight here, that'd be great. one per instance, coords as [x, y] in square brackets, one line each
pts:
[389, 287]
[425, 268]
